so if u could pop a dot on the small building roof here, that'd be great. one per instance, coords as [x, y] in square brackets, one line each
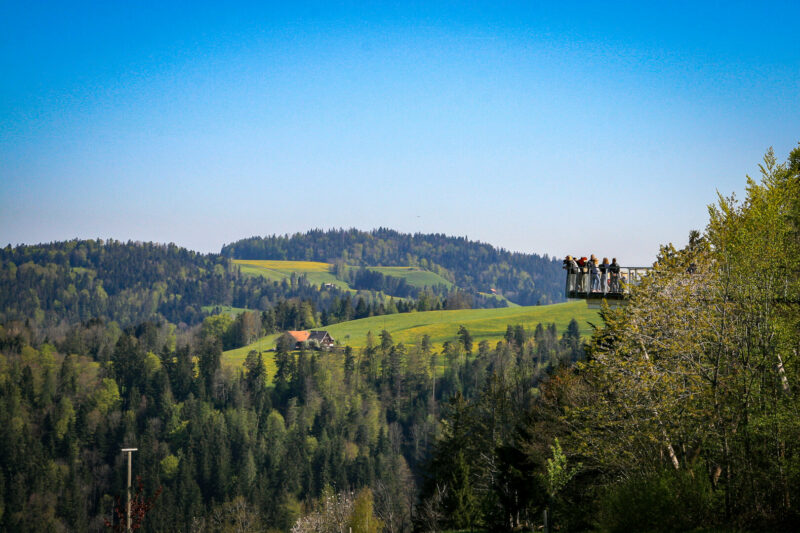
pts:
[319, 335]
[299, 336]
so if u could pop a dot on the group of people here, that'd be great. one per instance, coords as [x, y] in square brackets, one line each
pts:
[590, 275]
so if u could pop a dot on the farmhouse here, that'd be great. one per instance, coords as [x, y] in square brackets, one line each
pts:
[322, 337]
[299, 337]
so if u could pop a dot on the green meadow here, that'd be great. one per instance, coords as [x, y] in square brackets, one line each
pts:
[320, 273]
[317, 273]
[499, 297]
[224, 310]
[236, 357]
[414, 276]
[441, 326]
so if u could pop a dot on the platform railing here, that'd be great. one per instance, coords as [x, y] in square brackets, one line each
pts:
[578, 286]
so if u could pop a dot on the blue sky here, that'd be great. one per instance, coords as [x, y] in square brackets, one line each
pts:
[538, 127]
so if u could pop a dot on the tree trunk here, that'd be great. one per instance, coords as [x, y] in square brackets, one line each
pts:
[670, 450]
[782, 374]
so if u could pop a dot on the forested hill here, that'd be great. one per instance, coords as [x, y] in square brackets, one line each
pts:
[526, 279]
[130, 282]
[70, 282]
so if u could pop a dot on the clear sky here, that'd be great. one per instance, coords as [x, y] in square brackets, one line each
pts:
[602, 127]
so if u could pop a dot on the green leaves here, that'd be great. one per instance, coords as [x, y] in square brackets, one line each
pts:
[558, 474]
[698, 368]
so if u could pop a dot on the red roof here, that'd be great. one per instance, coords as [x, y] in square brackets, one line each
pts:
[299, 336]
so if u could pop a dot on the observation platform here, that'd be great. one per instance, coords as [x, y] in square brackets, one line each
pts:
[615, 292]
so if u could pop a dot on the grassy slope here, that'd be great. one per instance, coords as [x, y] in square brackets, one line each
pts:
[317, 273]
[441, 326]
[287, 266]
[488, 324]
[237, 356]
[500, 297]
[414, 276]
[224, 309]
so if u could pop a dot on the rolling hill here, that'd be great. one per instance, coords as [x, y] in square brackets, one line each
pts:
[523, 278]
[441, 326]
[316, 272]
[319, 273]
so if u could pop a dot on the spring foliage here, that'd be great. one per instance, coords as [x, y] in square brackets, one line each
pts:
[699, 372]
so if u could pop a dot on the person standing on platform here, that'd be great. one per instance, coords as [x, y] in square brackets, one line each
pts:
[604, 266]
[572, 271]
[613, 270]
[582, 274]
[594, 272]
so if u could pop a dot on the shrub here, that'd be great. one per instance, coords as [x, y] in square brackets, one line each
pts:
[665, 501]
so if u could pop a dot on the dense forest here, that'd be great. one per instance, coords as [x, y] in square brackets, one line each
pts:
[526, 279]
[221, 445]
[65, 283]
[58, 285]
[681, 412]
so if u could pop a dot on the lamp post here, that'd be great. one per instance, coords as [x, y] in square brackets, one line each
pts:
[129, 451]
